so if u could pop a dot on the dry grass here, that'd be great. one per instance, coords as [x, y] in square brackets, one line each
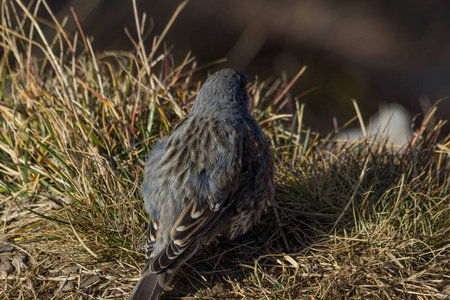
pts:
[361, 221]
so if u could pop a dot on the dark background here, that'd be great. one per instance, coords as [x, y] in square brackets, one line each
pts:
[375, 52]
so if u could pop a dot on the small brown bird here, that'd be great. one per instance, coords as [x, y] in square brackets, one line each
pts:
[212, 175]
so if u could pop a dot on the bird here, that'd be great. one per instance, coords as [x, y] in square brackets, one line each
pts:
[213, 175]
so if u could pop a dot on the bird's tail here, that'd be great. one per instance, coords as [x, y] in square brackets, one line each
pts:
[150, 286]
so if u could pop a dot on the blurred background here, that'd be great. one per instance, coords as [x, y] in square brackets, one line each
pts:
[376, 52]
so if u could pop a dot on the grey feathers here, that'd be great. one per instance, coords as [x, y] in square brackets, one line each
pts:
[212, 175]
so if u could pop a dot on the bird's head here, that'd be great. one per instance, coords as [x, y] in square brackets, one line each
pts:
[224, 90]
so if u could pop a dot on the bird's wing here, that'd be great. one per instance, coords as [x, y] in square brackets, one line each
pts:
[207, 162]
[186, 236]
[153, 232]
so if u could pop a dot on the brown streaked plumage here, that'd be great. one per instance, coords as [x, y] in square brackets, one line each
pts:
[212, 175]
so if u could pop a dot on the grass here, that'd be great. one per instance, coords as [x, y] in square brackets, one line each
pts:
[351, 221]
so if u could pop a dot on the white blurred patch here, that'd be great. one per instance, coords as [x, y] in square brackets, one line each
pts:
[392, 122]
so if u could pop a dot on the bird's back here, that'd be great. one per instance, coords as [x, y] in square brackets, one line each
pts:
[212, 175]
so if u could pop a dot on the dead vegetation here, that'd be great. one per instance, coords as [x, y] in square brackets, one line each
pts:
[361, 221]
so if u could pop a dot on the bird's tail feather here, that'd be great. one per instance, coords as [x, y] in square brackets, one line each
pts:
[149, 287]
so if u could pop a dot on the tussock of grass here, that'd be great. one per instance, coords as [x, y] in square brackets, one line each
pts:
[355, 221]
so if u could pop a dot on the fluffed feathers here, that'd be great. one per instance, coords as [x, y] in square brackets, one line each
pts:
[212, 175]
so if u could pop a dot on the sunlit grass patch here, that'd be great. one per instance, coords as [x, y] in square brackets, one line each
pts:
[361, 220]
